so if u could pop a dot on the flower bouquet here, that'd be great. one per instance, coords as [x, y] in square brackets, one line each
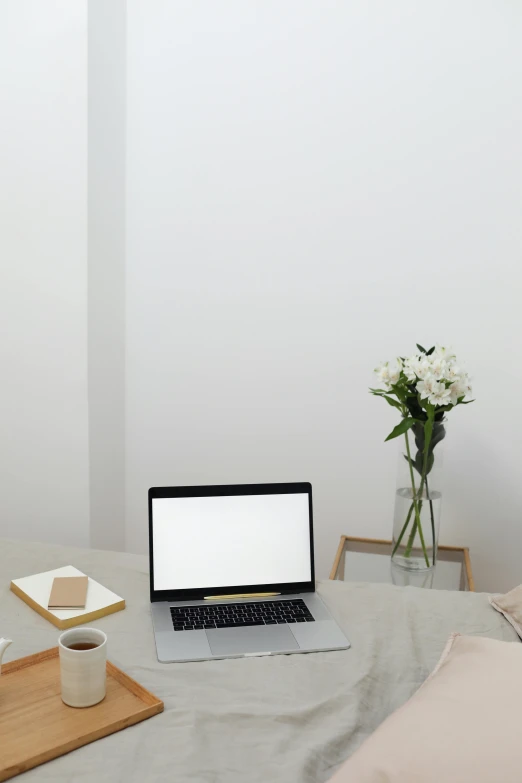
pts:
[423, 388]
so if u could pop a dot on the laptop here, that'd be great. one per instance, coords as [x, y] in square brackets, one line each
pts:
[232, 573]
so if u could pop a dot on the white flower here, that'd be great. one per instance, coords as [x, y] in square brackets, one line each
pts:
[434, 391]
[395, 373]
[438, 367]
[461, 388]
[388, 375]
[411, 367]
[410, 370]
[453, 372]
[440, 395]
[383, 375]
[423, 369]
[427, 386]
[444, 352]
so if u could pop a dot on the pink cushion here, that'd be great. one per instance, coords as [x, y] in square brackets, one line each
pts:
[510, 605]
[464, 725]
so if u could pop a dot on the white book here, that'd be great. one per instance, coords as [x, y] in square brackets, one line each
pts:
[36, 589]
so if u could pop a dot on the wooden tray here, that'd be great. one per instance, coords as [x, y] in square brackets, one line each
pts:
[36, 726]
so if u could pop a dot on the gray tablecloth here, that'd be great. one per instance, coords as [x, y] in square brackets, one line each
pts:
[280, 719]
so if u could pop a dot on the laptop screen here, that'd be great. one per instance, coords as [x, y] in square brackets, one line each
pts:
[215, 541]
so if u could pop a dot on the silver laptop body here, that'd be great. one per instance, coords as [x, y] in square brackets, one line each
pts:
[235, 540]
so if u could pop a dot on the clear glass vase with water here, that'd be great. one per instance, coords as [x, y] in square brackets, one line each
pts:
[418, 499]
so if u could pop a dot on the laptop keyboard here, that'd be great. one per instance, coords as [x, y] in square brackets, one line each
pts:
[198, 618]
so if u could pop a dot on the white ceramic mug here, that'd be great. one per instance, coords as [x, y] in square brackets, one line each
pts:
[83, 672]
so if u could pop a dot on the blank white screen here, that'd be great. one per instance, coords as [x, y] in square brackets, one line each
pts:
[234, 540]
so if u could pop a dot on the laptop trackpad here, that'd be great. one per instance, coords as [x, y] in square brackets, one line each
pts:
[251, 639]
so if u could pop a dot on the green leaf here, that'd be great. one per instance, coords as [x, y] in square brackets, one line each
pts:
[418, 462]
[428, 427]
[385, 396]
[439, 433]
[413, 463]
[401, 428]
[428, 353]
[399, 391]
[416, 412]
[418, 432]
[468, 402]
[392, 402]
[421, 349]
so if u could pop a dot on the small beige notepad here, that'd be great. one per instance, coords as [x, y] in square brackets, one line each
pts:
[36, 591]
[68, 592]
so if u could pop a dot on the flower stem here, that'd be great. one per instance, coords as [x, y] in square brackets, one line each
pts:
[421, 536]
[417, 523]
[432, 518]
[429, 429]
[413, 531]
[398, 542]
[411, 539]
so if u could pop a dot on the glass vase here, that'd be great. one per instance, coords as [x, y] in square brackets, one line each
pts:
[418, 498]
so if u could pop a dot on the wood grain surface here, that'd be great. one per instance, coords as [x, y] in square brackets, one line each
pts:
[36, 726]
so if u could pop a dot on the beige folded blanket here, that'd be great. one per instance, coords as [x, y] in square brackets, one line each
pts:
[510, 605]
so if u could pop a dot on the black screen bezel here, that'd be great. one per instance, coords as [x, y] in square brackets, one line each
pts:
[223, 490]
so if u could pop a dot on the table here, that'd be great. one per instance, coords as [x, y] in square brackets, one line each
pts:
[368, 560]
[281, 718]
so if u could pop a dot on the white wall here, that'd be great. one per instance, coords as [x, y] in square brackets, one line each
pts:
[106, 270]
[43, 255]
[312, 187]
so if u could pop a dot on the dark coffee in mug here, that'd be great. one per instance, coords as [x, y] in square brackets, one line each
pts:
[82, 646]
